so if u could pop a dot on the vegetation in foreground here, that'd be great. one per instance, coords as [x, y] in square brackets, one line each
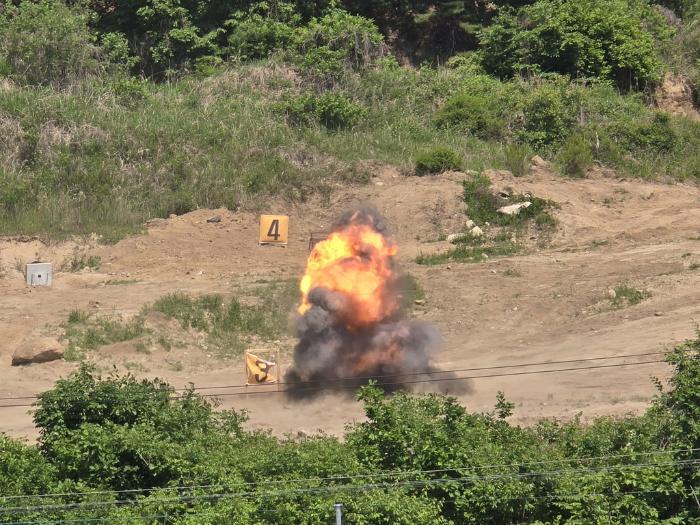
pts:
[113, 114]
[120, 449]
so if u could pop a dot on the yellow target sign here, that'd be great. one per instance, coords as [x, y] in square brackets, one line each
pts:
[274, 229]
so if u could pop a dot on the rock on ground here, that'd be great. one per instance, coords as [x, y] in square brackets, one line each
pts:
[514, 209]
[476, 231]
[37, 350]
[539, 162]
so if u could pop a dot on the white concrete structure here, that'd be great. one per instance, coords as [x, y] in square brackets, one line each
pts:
[39, 274]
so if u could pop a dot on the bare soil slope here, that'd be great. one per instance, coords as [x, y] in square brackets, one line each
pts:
[548, 304]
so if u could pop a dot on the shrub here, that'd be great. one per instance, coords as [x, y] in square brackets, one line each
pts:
[654, 134]
[257, 37]
[23, 470]
[323, 61]
[475, 114]
[333, 110]
[129, 91]
[481, 202]
[580, 38]
[575, 155]
[47, 42]
[115, 49]
[356, 38]
[437, 160]
[548, 114]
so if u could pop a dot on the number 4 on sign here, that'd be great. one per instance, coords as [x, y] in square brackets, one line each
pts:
[274, 229]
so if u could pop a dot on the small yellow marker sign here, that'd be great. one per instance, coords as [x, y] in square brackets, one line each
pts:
[274, 229]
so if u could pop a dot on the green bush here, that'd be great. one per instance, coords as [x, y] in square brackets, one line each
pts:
[608, 39]
[47, 42]
[655, 134]
[356, 38]
[257, 36]
[323, 61]
[575, 156]
[23, 470]
[115, 49]
[549, 114]
[483, 204]
[475, 114]
[413, 459]
[333, 110]
[437, 160]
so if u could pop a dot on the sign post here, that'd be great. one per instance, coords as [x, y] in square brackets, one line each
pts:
[274, 229]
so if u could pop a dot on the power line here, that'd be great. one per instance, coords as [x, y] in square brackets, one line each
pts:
[340, 488]
[407, 374]
[359, 476]
[548, 496]
[88, 520]
[435, 380]
[432, 372]
[332, 383]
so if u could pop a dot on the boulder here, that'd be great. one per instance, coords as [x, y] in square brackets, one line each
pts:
[538, 162]
[37, 350]
[514, 209]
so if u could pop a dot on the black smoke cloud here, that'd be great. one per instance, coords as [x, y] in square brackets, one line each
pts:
[397, 351]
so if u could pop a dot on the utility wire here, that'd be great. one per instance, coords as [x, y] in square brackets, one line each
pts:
[333, 383]
[408, 374]
[359, 476]
[434, 380]
[350, 488]
[548, 496]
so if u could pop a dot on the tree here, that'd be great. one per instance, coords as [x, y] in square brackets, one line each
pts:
[47, 43]
[605, 39]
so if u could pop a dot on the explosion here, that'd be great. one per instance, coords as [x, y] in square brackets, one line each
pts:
[351, 322]
[355, 262]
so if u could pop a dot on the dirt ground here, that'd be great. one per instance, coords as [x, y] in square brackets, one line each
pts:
[548, 304]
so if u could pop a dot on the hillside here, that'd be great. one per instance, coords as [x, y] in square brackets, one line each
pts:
[486, 311]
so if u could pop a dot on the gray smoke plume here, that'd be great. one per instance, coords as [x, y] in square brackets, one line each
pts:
[396, 351]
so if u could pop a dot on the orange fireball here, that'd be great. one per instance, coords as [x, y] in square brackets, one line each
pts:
[356, 263]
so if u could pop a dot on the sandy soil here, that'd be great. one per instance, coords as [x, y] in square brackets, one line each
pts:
[548, 304]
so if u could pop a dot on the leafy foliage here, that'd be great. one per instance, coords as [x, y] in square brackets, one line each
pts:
[591, 38]
[47, 42]
[415, 459]
[324, 63]
[333, 110]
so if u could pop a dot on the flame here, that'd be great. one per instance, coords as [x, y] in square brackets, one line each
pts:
[356, 263]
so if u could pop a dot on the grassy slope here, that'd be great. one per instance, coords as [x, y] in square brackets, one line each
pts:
[98, 159]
